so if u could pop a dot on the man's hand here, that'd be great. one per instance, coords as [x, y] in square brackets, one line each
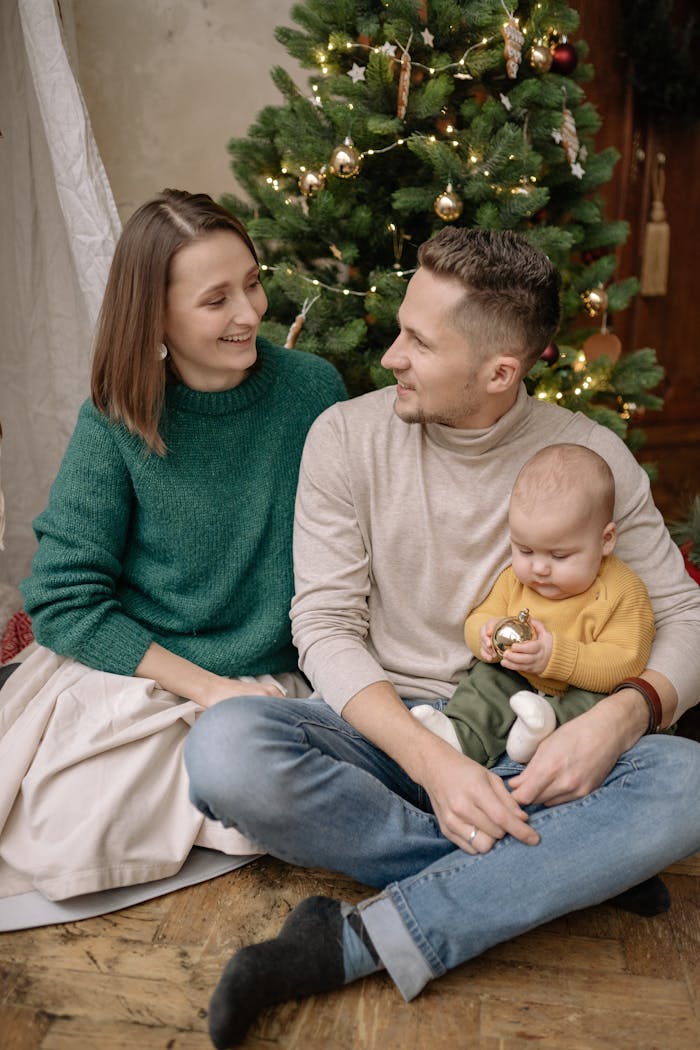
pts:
[467, 797]
[577, 757]
[473, 806]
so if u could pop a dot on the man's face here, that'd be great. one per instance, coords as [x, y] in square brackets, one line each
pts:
[437, 374]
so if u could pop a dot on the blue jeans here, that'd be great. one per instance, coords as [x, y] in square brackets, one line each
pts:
[311, 790]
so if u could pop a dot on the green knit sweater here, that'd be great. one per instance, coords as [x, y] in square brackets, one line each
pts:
[191, 550]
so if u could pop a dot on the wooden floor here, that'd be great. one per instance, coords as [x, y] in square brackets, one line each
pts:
[140, 979]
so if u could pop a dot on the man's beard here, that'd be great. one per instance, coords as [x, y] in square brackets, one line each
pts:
[458, 409]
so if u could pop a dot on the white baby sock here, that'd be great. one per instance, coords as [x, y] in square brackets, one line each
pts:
[535, 721]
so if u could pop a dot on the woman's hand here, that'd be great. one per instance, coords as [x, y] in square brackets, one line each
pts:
[186, 679]
[224, 688]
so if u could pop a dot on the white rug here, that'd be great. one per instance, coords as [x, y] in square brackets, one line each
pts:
[27, 910]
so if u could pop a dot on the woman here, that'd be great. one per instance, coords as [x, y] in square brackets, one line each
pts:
[163, 575]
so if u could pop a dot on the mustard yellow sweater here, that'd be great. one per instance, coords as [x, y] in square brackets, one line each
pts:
[600, 637]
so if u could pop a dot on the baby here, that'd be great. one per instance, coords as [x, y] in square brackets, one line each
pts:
[591, 619]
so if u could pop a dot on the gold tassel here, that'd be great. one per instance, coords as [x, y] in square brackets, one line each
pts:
[298, 323]
[657, 238]
[293, 333]
[404, 80]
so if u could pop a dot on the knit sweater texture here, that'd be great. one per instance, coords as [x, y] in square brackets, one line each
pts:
[191, 550]
[599, 637]
[402, 528]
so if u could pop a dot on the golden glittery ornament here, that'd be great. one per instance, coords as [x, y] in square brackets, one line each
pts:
[540, 58]
[523, 189]
[447, 204]
[511, 629]
[311, 182]
[595, 301]
[345, 160]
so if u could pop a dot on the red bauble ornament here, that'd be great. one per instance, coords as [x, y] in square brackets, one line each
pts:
[551, 354]
[564, 59]
[686, 551]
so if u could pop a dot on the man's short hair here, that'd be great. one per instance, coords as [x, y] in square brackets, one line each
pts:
[511, 290]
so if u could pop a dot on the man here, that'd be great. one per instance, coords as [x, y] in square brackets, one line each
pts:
[401, 528]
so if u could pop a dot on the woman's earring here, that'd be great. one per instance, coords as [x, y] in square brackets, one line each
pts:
[161, 351]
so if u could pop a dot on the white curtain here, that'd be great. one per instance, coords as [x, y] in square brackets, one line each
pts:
[59, 228]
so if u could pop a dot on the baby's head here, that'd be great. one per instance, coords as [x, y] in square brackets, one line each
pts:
[561, 520]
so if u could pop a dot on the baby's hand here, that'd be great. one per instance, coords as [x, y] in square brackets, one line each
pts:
[532, 656]
[488, 654]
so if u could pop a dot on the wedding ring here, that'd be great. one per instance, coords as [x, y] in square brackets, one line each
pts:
[472, 835]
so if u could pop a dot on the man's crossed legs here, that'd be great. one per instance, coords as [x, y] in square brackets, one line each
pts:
[294, 777]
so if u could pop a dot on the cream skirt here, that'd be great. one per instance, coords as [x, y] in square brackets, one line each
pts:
[93, 787]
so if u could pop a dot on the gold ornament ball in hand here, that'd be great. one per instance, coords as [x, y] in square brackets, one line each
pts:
[311, 182]
[345, 160]
[447, 205]
[509, 630]
[595, 300]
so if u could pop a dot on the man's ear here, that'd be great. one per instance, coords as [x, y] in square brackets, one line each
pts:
[505, 372]
[609, 537]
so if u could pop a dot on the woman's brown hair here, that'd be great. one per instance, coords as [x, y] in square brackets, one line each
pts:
[128, 376]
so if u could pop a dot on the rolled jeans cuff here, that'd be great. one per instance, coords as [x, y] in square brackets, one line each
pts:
[393, 938]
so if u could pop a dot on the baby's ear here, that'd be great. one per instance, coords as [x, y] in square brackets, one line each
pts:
[609, 537]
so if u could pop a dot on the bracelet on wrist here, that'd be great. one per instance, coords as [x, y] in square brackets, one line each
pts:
[651, 698]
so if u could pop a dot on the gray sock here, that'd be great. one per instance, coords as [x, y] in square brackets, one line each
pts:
[306, 958]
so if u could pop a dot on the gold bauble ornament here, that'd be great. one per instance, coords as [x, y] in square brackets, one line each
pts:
[345, 160]
[447, 205]
[311, 182]
[523, 189]
[595, 301]
[540, 58]
[509, 630]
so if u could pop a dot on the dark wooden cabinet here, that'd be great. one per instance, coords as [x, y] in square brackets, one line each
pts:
[669, 323]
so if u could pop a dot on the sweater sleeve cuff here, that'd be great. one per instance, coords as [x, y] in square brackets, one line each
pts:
[117, 646]
[340, 671]
[563, 659]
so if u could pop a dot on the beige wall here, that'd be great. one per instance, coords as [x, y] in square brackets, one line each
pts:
[167, 83]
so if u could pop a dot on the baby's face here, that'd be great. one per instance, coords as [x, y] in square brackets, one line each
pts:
[557, 550]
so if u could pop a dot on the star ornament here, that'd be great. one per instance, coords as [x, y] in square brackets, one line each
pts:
[389, 49]
[556, 135]
[506, 101]
[427, 38]
[577, 171]
[356, 73]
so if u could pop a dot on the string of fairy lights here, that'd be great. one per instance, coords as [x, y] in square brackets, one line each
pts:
[346, 161]
[546, 52]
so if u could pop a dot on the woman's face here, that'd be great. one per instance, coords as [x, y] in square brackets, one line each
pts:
[213, 308]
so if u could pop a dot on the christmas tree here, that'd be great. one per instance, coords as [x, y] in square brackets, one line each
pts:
[420, 113]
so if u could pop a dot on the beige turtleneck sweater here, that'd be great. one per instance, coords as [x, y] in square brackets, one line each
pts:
[401, 529]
